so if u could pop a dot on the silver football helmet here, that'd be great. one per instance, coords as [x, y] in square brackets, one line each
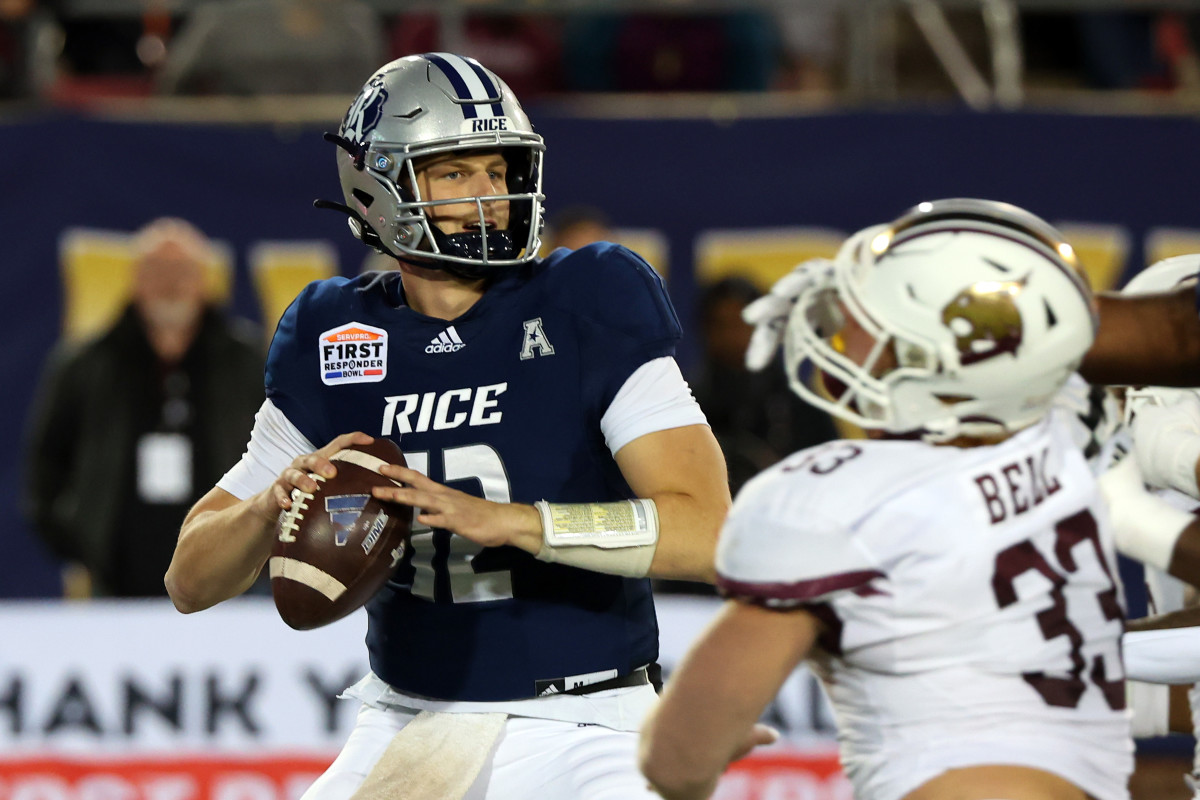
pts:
[1161, 276]
[419, 106]
[978, 313]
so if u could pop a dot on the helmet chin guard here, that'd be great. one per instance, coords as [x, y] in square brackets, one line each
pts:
[427, 105]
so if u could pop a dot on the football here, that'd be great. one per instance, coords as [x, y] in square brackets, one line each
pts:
[336, 547]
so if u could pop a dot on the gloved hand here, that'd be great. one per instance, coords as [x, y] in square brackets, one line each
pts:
[1166, 442]
[769, 313]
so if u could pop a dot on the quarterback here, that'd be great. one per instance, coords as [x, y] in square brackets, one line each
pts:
[952, 578]
[556, 458]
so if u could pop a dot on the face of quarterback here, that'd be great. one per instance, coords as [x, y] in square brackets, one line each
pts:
[473, 173]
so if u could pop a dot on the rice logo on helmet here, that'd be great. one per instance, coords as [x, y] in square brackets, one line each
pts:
[366, 111]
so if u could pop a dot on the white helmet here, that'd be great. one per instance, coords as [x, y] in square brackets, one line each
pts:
[982, 304]
[1161, 276]
[422, 105]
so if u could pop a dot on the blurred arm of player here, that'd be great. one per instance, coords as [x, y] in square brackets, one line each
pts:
[681, 469]
[707, 715]
[1147, 528]
[1162, 660]
[224, 542]
[1151, 339]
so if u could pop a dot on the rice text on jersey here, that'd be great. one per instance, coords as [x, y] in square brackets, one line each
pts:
[417, 413]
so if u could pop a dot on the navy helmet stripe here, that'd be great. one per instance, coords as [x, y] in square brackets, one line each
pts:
[456, 81]
[488, 86]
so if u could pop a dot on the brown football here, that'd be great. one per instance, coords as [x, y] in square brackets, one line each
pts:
[336, 548]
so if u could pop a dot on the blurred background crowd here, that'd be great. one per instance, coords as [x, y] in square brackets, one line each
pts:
[72, 51]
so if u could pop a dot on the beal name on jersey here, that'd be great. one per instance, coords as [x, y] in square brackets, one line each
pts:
[1016, 487]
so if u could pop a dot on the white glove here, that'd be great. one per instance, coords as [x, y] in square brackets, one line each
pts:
[769, 313]
[1166, 442]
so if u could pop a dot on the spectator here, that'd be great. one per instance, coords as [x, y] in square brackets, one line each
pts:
[131, 427]
[754, 415]
[524, 49]
[249, 47]
[734, 52]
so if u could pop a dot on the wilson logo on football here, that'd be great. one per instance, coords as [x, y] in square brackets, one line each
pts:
[447, 341]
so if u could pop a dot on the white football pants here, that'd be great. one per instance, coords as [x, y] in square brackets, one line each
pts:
[534, 758]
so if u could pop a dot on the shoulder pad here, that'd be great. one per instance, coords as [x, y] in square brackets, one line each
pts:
[614, 288]
[790, 537]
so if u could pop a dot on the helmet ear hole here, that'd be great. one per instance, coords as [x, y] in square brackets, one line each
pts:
[363, 197]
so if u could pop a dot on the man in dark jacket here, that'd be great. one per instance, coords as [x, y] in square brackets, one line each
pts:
[132, 426]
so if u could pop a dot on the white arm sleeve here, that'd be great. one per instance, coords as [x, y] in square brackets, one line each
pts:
[1171, 655]
[274, 443]
[654, 398]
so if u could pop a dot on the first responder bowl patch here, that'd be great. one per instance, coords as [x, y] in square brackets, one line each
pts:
[353, 353]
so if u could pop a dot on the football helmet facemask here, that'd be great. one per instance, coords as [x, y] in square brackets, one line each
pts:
[981, 305]
[425, 105]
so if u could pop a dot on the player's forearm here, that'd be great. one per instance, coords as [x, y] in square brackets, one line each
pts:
[687, 538]
[219, 554]
[1148, 340]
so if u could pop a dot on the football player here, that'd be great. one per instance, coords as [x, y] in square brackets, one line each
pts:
[1163, 648]
[556, 458]
[952, 578]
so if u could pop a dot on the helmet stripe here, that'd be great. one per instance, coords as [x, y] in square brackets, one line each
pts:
[470, 82]
[456, 80]
[488, 86]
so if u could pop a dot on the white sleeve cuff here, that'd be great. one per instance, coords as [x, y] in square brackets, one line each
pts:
[274, 444]
[654, 398]
[1171, 655]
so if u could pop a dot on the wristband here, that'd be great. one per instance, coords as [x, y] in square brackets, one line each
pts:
[625, 523]
[615, 538]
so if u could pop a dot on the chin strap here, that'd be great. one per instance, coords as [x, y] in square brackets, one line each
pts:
[358, 226]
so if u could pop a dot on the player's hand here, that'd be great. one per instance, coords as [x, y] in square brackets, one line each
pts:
[757, 736]
[482, 521]
[769, 313]
[1166, 442]
[279, 495]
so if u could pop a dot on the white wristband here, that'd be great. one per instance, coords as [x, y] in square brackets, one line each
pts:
[625, 523]
[616, 538]
[1145, 527]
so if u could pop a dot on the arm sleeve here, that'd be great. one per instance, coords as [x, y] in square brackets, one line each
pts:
[1163, 656]
[274, 443]
[654, 398]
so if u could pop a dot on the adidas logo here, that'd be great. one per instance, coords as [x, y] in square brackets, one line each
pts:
[447, 341]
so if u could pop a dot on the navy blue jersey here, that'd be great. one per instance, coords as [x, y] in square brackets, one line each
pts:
[504, 403]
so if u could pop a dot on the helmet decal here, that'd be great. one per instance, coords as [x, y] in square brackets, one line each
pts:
[470, 82]
[985, 320]
[366, 110]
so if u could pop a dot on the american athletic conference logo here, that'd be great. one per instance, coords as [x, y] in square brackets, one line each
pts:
[366, 110]
[448, 341]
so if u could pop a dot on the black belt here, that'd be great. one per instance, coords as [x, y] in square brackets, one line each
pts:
[644, 676]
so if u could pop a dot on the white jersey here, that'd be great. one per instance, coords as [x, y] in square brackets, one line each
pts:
[969, 596]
